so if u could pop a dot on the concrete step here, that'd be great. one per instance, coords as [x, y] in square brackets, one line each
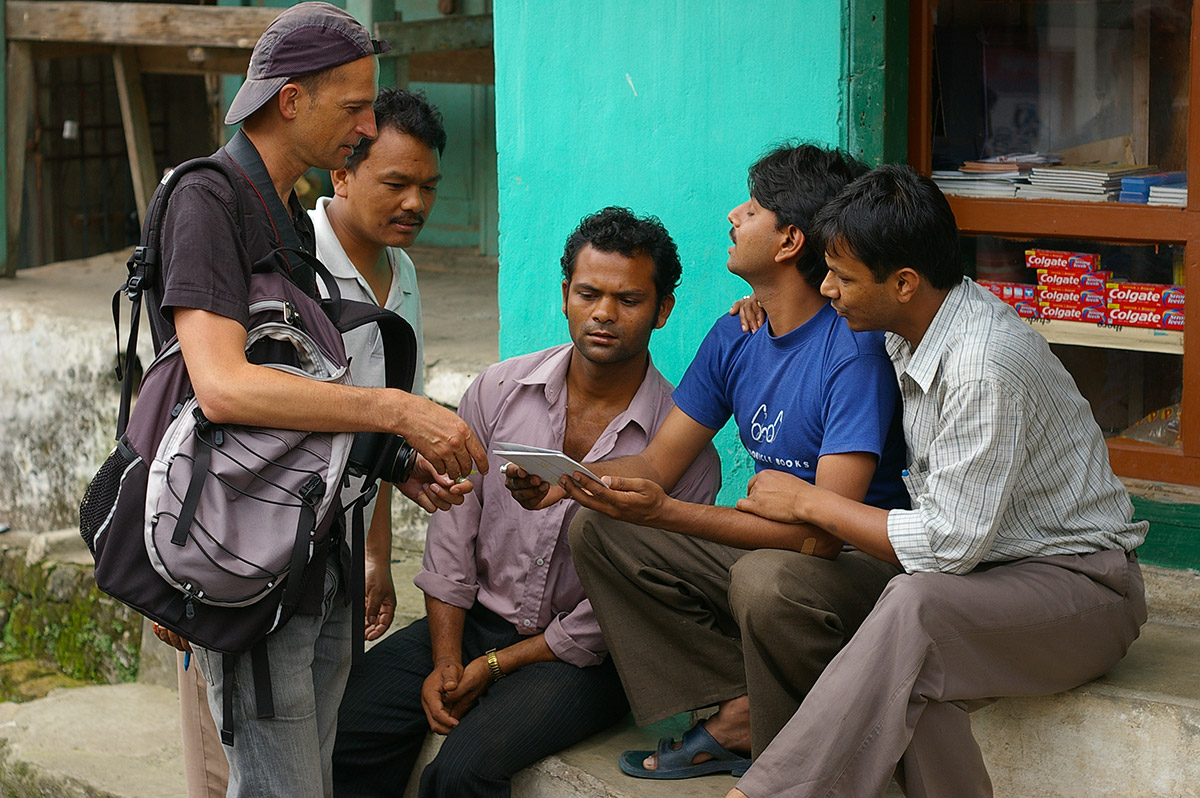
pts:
[1133, 734]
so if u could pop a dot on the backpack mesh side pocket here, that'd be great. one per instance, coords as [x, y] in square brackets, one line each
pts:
[99, 501]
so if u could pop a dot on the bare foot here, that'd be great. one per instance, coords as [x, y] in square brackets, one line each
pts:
[730, 727]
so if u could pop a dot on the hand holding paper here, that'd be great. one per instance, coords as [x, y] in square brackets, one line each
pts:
[535, 485]
[546, 464]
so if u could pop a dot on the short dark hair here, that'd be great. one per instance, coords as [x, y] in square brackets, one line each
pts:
[891, 218]
[794, 181]
[312, 82]
[618, 230]
[405, 112]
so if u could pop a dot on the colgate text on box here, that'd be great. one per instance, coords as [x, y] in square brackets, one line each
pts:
[1056, 295]
[1153, 318]
[1146, 295]
[1073, 279]
[1094, 314]
[1062, 261]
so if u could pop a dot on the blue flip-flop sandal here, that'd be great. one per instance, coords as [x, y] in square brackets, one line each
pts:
[676, 763]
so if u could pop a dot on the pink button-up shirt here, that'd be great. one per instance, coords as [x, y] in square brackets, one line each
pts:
[517, 563]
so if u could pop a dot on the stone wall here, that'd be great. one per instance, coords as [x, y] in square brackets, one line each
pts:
[57, 387]
[51, 610]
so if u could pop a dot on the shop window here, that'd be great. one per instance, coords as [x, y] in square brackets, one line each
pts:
[1029, 115]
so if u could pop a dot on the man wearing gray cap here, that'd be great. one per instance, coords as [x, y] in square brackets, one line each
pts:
[306, 103]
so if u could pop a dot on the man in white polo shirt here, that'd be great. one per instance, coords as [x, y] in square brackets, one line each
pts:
[381, 200]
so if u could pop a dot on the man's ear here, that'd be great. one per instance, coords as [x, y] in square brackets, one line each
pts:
[288, 100]
[565, 285]
[340, 178]
[664, 310]
[905, 282]
[791, 245]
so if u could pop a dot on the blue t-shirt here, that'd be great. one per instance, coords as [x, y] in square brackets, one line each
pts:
[821, 389]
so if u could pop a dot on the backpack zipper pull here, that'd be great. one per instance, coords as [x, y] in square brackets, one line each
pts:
[189, 607]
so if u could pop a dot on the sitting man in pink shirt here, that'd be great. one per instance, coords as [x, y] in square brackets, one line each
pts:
[510, 663]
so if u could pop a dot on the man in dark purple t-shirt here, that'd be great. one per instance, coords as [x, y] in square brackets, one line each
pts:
[306, 103]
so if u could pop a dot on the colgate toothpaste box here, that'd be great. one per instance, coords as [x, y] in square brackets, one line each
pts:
[1025, 309]
[1062, 261]
[1073, 279]
[1153, 318]
[1010, 292]
[1095, 314]
[1146, 295]
[1061, 295]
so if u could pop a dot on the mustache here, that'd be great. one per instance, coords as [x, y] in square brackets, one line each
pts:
[588, 329]
[408, 218]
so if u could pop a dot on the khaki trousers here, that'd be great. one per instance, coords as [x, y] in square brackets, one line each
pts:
[691, 623]
[204, 763]
[936, 647]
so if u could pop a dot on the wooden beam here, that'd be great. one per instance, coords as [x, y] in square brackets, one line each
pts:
[143, 24]
[20, 90]
[137, 127]
[193, 60]
[435, 35]
[454, 66]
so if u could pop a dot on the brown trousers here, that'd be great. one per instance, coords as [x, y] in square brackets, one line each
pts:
[691, 623]
[936, 647]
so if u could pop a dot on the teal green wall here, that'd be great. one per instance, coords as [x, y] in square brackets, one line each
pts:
[661, 106]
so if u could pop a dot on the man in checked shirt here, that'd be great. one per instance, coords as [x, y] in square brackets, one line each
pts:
[1020, 576]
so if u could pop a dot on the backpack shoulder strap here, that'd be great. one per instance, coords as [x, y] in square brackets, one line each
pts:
[144, 271]
[399, 340]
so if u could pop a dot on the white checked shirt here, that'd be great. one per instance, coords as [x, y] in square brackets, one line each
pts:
[1005, 459]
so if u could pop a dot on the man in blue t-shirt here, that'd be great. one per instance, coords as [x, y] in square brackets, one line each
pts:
[704, 605]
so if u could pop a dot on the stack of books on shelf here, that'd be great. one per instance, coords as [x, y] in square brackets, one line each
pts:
[952, 181]
[991, 177]
[1173, 194]
[1137, 188]
[1071, 287]
[1080, 182]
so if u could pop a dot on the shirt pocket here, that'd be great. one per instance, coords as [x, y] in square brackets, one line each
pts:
[914, 478]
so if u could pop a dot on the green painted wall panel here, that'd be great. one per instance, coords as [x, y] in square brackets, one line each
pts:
[661, 106]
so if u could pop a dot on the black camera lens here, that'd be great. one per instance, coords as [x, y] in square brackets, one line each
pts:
[398, 460]
[384, 456]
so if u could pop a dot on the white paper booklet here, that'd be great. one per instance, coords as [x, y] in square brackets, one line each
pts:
[548, 464]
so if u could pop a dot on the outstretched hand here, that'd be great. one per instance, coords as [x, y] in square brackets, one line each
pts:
[432, 491]
[443, 439]
[631, 499]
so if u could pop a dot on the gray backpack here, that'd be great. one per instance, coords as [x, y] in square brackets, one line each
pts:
[209, 529]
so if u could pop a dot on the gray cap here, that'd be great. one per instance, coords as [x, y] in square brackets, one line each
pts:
[307, 38]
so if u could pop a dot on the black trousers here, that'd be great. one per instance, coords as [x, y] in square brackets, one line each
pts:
[530, 714]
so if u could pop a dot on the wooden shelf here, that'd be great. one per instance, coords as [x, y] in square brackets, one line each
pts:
[1156, 463]
[1103, 336]
[1101, 221]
